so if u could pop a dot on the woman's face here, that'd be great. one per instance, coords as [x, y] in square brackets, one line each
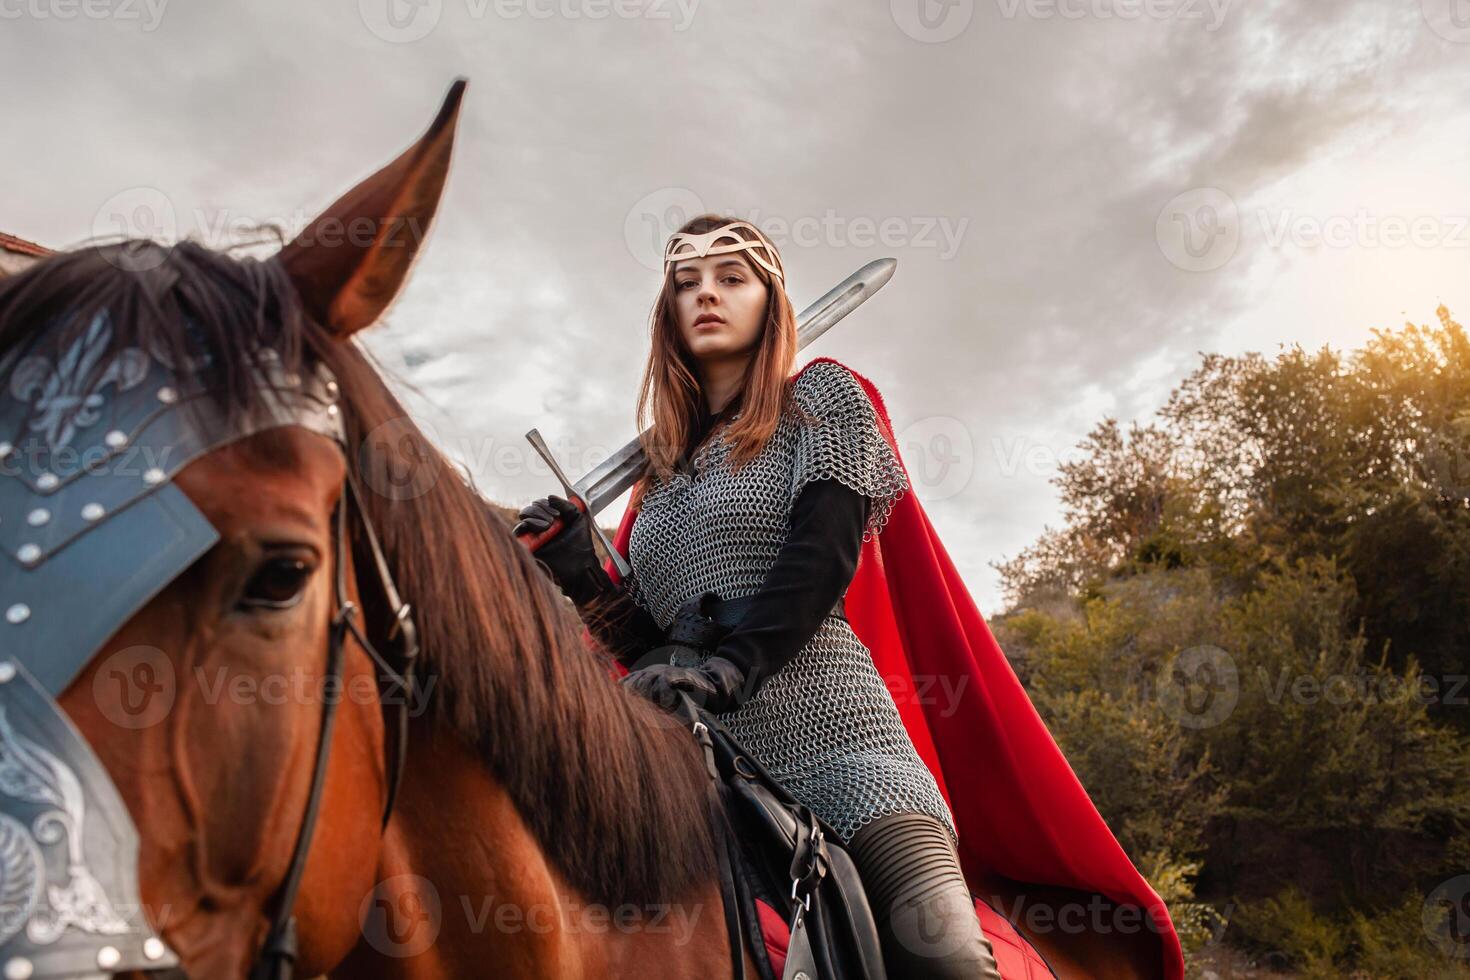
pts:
[720, 305]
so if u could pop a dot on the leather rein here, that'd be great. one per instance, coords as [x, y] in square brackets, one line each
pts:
[396, 669]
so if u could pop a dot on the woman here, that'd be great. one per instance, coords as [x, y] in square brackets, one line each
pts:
[761, 492]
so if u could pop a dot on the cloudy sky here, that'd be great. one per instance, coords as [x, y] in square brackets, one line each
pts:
[1082, 194]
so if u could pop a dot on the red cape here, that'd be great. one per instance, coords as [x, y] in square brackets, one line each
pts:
[1020, 810]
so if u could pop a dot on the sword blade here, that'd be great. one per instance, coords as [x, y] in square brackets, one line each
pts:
[606, 481]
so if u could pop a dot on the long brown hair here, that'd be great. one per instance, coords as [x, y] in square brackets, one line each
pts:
[614, 794]
[671, 395]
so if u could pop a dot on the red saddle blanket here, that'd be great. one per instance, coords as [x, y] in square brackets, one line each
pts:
[1015, 957]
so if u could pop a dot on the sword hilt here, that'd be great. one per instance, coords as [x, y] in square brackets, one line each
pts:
[535, 541]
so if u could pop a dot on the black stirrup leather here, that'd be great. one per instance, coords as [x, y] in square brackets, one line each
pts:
[772, 846]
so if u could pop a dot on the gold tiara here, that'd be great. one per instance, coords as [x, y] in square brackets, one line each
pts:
[722, 241]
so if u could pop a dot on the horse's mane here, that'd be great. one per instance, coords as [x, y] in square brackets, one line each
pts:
[612, 790]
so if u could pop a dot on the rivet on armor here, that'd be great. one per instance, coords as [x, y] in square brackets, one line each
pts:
[47, 482]
[38, 517]
[28, 554]
[167, 395]
[332, 410]
[17, 614]
[18, 968]
[116, 439]
[93, 512]
[154, 476]
[333, 389]
[153, 948]
[7, 671]
[108, 957]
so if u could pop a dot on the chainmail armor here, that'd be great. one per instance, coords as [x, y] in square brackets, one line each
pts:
[825, 724]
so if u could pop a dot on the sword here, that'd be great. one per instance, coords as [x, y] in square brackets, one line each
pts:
[607, 480]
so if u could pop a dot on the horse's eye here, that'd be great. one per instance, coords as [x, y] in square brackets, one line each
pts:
[278, 584]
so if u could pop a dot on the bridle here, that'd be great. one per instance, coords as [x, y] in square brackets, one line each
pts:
[277, 957]
[73, 570]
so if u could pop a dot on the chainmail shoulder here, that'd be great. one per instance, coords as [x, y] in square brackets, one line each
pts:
[845, 443]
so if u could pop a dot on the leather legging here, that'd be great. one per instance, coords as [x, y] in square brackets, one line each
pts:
[925, 915]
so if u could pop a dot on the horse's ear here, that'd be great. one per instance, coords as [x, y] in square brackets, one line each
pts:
[351, 261]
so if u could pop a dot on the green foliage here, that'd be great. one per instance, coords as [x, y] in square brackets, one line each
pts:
[1390, 945]
[1249, 638]
[1286, 925]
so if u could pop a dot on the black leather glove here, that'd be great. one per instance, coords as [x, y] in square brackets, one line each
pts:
[717, 686]
[570, 557]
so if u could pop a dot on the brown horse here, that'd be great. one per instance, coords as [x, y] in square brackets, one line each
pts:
[549, 825]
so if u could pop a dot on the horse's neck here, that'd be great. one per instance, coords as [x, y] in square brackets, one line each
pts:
[466, 890]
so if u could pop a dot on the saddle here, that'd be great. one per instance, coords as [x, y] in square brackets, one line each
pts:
[773, 851]
[776, 857]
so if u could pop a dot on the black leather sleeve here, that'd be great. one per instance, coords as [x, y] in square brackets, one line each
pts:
[813, 568]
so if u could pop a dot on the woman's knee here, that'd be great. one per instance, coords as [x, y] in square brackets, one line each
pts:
[925, 915]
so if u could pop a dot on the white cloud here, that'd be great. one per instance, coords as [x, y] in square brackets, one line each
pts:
[1052, 142]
